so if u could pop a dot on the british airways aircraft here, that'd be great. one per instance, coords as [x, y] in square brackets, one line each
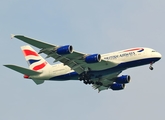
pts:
[100, 70]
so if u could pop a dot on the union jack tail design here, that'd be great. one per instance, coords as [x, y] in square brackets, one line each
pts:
[34, 60]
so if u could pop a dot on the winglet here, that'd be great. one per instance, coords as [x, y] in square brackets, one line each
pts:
[12, 36]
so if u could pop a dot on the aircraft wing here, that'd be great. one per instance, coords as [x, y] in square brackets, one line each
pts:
[74, 60]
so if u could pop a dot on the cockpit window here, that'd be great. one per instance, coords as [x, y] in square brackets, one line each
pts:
[153, 51]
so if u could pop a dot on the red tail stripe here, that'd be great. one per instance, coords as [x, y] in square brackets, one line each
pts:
[38, 67]
[29, 52]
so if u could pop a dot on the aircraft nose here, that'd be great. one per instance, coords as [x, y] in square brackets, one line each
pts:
[159, 55]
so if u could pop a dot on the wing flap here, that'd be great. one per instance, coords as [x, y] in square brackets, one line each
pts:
[38, 82]
[22, 70]
[106, 81]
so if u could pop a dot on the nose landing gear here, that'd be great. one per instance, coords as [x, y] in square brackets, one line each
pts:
[151, 68]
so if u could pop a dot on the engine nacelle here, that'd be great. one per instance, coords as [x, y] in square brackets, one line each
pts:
[93, 58]
[123, 79]
[117, 86]
[67, 49]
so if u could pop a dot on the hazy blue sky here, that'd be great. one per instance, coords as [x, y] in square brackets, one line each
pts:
[91, 26]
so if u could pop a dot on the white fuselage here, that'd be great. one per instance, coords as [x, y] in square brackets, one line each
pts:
[125, 59]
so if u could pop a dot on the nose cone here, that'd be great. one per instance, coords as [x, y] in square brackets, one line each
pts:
[159, 55]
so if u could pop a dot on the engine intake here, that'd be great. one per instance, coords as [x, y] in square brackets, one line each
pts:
[67, 49]
[94, 58]
[123, 79]
[117, 86]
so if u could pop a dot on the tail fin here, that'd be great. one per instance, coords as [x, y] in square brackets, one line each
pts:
[34, 60]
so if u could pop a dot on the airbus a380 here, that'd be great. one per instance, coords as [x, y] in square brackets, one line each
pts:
[100, 70]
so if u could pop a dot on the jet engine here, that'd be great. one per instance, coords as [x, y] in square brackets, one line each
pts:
[117, 86]
[123, 79]
[67, 49]
[94, 58]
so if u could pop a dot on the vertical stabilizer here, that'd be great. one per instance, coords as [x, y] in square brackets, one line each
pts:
[34, 60]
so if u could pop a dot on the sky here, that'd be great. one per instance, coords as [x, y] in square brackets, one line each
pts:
[95, 26]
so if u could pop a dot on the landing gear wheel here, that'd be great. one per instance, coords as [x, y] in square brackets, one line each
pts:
[80, 79]
[151, 68]
[85, 82]
[92, 82]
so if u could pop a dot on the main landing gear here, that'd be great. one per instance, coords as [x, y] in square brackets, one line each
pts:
[85, 77]
[88, 82]
[151, 68]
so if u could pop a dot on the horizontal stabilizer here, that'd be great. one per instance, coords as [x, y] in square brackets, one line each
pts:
[23, 70]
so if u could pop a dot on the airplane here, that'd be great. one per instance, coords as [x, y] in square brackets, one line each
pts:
[100, 70]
